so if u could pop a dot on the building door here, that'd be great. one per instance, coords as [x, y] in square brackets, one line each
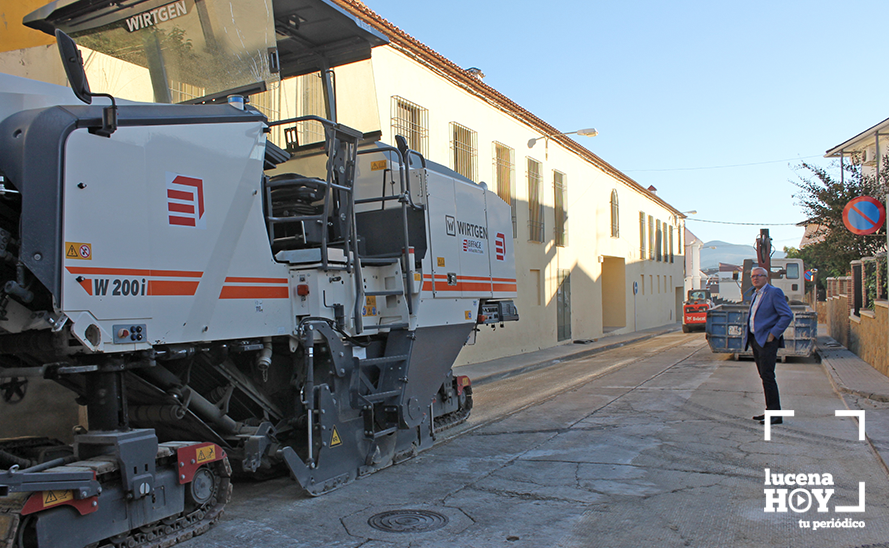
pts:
[614, 294]
[563, 305]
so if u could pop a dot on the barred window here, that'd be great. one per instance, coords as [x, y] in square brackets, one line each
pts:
[183, 91]
[309, 101]
[269, 102]
[504, 178]
[615, 218]
[659, 242]
[643, 239]
[464, 151]
[670, 243]
[651, 238]
[535, 200]
[411, 121]
[560, 208]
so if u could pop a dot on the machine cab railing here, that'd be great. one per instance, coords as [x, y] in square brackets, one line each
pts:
[311, 220]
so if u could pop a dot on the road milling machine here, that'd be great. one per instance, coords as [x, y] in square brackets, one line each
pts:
[220, 305]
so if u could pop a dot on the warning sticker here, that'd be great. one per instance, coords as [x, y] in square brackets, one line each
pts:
[370, 306]
[379, 165]
[439, 261]
[51, 498]
[206, 454]
[78, 250]
[468, 314]
[335, 438]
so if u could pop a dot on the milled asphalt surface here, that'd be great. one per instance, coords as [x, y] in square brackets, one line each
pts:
[862, 386]
[658, 450]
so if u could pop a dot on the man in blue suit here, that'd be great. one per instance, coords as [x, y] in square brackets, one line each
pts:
[768, 317]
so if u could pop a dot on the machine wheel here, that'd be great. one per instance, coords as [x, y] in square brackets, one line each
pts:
[686, 329]
[202, 487]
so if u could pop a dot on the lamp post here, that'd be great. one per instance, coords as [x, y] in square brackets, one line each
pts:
[589, 132]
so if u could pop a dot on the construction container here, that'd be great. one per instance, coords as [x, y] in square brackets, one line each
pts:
[726, 324]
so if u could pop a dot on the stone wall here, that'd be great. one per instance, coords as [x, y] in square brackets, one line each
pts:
[838, 319]
[866, 335]
[821, 309]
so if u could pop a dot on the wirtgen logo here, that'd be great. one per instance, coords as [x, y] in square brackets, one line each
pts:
[799, 492]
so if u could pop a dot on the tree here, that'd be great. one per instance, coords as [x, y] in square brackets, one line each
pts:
[823, 199]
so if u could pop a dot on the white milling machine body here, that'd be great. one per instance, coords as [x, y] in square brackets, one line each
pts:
[189, 280]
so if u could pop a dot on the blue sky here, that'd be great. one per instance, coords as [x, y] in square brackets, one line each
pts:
[677, 87]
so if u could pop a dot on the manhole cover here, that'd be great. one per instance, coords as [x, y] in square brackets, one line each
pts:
[407, 521]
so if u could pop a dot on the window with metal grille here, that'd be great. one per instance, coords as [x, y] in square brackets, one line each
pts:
[670, 244]
[651, 238]
[182, 91]
[411, 121]
[309, 101]
[464, 151]
[560, 208]
[269, 103]
[535, 200]
[615, 218]
[504, 178]
[659, 241]
[642, 237]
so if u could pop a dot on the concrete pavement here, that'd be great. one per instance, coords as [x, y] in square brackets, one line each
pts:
[501, 368]
[862, 386]
[650, 444]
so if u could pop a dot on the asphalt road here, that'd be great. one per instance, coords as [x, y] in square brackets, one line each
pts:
[646, 445]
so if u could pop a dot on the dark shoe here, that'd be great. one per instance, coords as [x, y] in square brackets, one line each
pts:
[759, 417]
[775, 420]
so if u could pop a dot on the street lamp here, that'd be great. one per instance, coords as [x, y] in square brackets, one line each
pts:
[589, 132]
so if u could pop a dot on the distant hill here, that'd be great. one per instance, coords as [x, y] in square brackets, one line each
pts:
[725, 252]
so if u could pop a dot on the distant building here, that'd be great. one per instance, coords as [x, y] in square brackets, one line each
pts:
[869, 149]
[694, 278]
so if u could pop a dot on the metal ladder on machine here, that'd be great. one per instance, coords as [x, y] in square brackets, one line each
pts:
[390, 369]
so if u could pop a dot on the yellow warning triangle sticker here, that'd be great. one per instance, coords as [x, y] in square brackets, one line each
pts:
[49, 497]
[335, 438]
[72, 253]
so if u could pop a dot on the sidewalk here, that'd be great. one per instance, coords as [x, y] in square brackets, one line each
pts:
[849, 373]
[502, 368]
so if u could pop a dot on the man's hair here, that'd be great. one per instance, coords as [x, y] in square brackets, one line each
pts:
[755, 268]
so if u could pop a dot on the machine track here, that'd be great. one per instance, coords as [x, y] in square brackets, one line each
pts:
[205, 505]
[450, 420]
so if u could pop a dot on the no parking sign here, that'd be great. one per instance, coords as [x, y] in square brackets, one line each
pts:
[864, 215]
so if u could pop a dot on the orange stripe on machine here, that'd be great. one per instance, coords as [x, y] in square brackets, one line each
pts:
[135, 282]
[253, 292]
[469, 283]
[255, 288]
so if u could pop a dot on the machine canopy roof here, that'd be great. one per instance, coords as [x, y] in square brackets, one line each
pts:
[214, 45]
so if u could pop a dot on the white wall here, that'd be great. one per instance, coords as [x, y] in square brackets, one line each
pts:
[588, 210]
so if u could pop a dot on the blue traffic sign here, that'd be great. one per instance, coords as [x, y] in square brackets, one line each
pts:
[864, 215]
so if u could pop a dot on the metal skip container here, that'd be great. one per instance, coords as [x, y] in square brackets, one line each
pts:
[726, 324]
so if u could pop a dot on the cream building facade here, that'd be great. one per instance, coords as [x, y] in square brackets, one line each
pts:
[596, 252]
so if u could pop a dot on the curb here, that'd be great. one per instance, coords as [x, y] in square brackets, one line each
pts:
[837, 383]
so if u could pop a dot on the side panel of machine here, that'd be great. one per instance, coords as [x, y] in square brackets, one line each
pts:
[169, 234]
[502, 256]
[441, 276]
